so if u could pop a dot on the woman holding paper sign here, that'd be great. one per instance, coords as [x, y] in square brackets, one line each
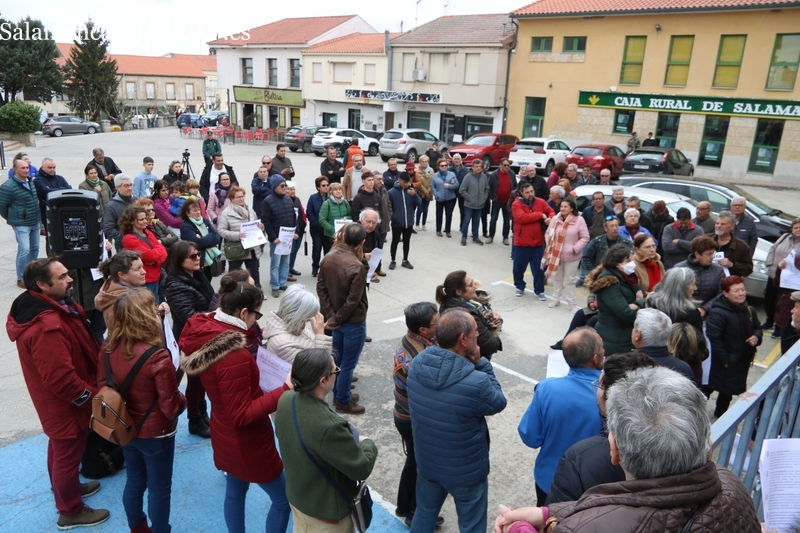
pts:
[296, 325]
[333, 209]
[228, 224]
[241, 435]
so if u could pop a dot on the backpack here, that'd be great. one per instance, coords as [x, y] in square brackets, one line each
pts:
[110, 417]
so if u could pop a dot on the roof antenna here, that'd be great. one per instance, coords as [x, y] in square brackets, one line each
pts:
[416, 14]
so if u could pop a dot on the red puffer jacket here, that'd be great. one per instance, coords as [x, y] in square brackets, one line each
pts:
[155, 380]
[241, 432]
[58, 356]
[528, 221]
[153, 253]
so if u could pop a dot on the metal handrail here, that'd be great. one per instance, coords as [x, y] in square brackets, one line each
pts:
[769, 410]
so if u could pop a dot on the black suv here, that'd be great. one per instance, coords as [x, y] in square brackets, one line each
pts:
[299, 138]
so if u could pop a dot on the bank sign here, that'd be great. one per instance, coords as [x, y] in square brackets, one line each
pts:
[745, 107]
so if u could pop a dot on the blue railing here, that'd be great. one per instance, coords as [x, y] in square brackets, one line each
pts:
[769, 410]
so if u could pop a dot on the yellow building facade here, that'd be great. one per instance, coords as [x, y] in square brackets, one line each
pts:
[719, 84]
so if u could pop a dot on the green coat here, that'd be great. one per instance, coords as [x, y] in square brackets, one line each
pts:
[614, 318]
[18, 204]
[327, 436]
[103, 196]
[211, 147]
[330, 212]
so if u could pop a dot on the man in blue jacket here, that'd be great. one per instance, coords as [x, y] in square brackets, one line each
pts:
[318, 241]
[451, 390]
[564, 410]
[261, 184]
[405, 201]
[277, 211]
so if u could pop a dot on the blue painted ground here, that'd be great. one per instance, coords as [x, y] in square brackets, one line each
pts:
[198, 489]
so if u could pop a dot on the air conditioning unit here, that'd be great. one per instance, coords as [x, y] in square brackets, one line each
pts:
[419, 75]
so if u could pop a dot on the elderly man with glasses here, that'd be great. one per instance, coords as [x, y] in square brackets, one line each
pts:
[745, 227]
[501, 182]
[703, 217]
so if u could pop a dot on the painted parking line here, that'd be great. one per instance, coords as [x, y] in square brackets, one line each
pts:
[396, 319]
[770, 358]
[515, 373]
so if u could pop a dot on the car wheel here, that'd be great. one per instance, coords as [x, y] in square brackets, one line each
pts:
[306, 147]
[338, 151]
[57, 133]
[411, 155]
[487, 163]
[548, 169]
[91, 130]
[385, 158]
[373, 150]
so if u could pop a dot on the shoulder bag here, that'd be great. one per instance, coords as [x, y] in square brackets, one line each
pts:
[361, 505]
[234, 251]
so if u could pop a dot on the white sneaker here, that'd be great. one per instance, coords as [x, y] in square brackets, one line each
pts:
[554, 303]
[424, 228]
[417, 228]
[573, 308]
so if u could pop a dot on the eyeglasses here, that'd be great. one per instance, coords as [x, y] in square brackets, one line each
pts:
[335, 372]
[238, 197]
[193, 257]
[321, 185]
[596, 385]
[611, 217]
[258, 314]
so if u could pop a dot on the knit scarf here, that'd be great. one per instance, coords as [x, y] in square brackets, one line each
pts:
[241, 210]
[209, 254]
[337, 201]
[93, 183]
[222, 192]
[555, 244]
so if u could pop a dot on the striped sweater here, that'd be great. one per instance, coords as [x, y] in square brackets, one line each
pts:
[408, 348]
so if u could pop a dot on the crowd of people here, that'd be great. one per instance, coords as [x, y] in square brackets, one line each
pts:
[675, 330]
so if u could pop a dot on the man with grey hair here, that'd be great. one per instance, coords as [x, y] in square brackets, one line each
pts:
[564, 410]
[738, 256]
[121, 200]
[390, 175]
[645, 221]
[460, 170]
[617, 201]
[46, 182]
[745, 227]
[18, 206]
[659, 433]
[557, 194]
[107, 169]
[371, 220]
[650, 334]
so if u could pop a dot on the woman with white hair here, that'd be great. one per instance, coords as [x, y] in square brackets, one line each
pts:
[631, 228]
[673, 297]
[557, 193]
[296, 325]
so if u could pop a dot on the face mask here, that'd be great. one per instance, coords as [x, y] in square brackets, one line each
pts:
[629, 268]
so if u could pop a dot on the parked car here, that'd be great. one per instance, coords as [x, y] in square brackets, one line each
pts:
[58, 126]
[488, 147]
[657, 160]
[213, 118]
[539, 152]
[192, 120]
[771, 223]
[599, 156]
[407, 143]
[299, 138]
[755, 283]
[335, 136]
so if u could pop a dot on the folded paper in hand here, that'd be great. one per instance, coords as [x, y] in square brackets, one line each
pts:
[272, 370]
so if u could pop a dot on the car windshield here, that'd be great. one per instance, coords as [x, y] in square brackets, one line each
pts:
[529, 145]
[322, 133]
[393, 135]
[688, 204]
[753, 203]
[483, 140]
[638, 157]
[587, 151]
[295, 130]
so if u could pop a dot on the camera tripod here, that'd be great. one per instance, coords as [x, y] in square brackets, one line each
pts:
[186, 166]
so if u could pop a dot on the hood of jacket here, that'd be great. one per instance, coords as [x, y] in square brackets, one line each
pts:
[599, 279]
[109, 292]
[205, 341]
[274, 326]
[445, 369]
[25, 308]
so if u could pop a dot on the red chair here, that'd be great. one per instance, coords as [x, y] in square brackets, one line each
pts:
[186, 131]
[258, 136]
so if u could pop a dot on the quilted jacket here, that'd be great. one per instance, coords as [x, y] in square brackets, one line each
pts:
[664, 504]
[731, 356]
[186, 296]
[153, 253]
[614, 318]
[241, 431]
[449, 398]
[285, 345]
[277, 210]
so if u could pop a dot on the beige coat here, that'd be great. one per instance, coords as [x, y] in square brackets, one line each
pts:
[231, 219]
[347, 182]
[286, 345]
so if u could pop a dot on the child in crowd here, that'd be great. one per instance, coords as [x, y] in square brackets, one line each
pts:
[144, 181]
[183, 192]
[481, 301]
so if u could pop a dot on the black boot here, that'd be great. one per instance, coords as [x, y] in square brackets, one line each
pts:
[198, 426]
[204, 413]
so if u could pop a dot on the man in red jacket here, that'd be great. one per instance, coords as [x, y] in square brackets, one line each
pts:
[58, 355]
[531, 215]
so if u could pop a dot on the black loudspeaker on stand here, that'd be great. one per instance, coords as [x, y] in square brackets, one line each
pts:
[75, 231]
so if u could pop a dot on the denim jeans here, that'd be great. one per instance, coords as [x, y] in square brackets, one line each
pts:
[422, 212]
[524, 256]
[278, 268]
[148, 463]
[279, 510]
[446, 207]
[27, 246]
[348, 341]
[497, 208]
[473, 215]
[471, 502]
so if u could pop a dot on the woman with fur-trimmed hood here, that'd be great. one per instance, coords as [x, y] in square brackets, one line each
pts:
[241, 432]
[619, 297]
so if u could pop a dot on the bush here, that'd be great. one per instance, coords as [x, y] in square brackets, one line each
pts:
[19, 117]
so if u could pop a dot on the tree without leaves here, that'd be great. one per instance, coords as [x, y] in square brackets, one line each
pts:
[28, 65]
[91, 74]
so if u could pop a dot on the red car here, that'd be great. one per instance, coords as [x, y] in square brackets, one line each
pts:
[600, 156]
[489, 147]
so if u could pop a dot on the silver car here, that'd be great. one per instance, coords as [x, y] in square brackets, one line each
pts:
[407, 143]
[58, 126]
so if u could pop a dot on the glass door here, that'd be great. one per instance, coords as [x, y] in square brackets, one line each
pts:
[448, 129]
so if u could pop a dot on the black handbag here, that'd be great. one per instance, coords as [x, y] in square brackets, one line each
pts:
[217, 267]
[234, 251]
[361, 505]
[101, 458]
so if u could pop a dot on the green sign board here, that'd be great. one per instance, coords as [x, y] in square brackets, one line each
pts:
[744, 107]
[260, 95]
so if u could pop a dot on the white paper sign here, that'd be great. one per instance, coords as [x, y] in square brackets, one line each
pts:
[374, 258]
[96, 274]
[272, 370]
[717, 257]
[253, 236]
[339, 224]
[172, 344]
[790, 276]
[780, 482]
[286, 236]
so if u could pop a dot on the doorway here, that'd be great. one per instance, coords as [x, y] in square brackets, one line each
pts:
[354, 119]
[448, 129]
[249, 114]
[329, 120]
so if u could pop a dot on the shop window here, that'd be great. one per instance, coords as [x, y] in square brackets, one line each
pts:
[247, 70]
[765, 146]
[667, 129]
[150, 91]
[272, 72]
[680, 54]
[542, 44]
[294, 73]
[623, 121]
[342, 73]
[316, 72]
[715, 132]
[573, 45]
[472, 69]
[295, 116]
[439, 68]
[419, 119]
[534, 117]
[329, 120]
[273, 117]
[369, 74]
[633, 60]
[729, 61]
[785, 58]
[478, 125]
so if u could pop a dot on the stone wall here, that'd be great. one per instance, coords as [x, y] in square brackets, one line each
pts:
[28, 139]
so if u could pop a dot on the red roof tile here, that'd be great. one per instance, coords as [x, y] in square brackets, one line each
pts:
[286, 31]
[594, 7]
[203, 62]
[65, 49]
[460, 29]
[354, 43]
[156, 66]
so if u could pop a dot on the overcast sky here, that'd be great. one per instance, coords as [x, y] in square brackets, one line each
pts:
[184, 26]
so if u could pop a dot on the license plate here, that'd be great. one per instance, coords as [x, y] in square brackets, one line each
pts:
[642, 167]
